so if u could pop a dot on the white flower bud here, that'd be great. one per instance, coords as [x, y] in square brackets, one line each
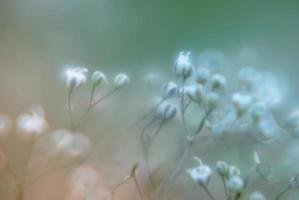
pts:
[212, 100]
[257, 111]
[169, 90]
[201, 174]
[183, 66]
[121, 80]
[167, 111]
[33, 124]
[241, 102]
[75, 77]
[195, 93]
[5, 125]
[235, 184]
[97, 78]
[222, 168]
[202, 75]
[218, 82]
[233, 171]
[256, 196]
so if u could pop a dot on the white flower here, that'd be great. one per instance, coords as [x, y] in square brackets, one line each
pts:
[200, 174]
[218, 82]
[5, 125]
[256, 196]
[294, 182]
[166, 111]
[195, 93]
[202, 75]
[81, 146]
[169, 90]
[222, 168]
[60, 142]
[235, 184]
[98, 78]
[121, 80]
[241, 102]
[32, 124]
[183, 65]
[75, 76]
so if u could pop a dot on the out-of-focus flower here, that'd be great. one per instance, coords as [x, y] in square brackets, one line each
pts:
[183, 66]
[81, 146]
[97, 78]
[212, 100]
[218, 82]
[169, 90]
[5, 125]
[84, 179]
[294, 182]
[60, 142]
[195, 93]
[32, 124]
[241, 102]
[75, 76]
[200, 174]
[235, 184]
[256, 196]
[121, 80]
[202, 75]
[257, 111]
[166, 111]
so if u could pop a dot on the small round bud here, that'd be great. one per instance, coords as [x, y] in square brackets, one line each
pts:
[202, 75]
[218, 82]
[183, 66]
[235, 184]
[256, 196]
[222, 168]
[75, 76]
[97, 78]
[212, 100]
[233, 171]
[169, 90]
[5, 125]
[257, 111]
[201, 174]
[121, 80]
[195, 93]
[241, 102]
[167, 111]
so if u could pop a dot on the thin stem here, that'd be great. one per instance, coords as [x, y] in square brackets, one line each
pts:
[69, 108]
[282, 193]
[152, 137]
[203, 120]
[225, 186]
[208, 192]
[92, 94]
[93, 104]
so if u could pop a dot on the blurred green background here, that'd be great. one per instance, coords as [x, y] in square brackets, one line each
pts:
[38, 36]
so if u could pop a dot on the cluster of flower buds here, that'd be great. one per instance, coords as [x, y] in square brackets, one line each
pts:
[76, 76]
[183, 66]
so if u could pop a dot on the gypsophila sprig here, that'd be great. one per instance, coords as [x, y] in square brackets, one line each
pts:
[75, 76]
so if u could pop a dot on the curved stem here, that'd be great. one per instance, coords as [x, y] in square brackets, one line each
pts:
[93, 104]
[225, 187]
[282, 193]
